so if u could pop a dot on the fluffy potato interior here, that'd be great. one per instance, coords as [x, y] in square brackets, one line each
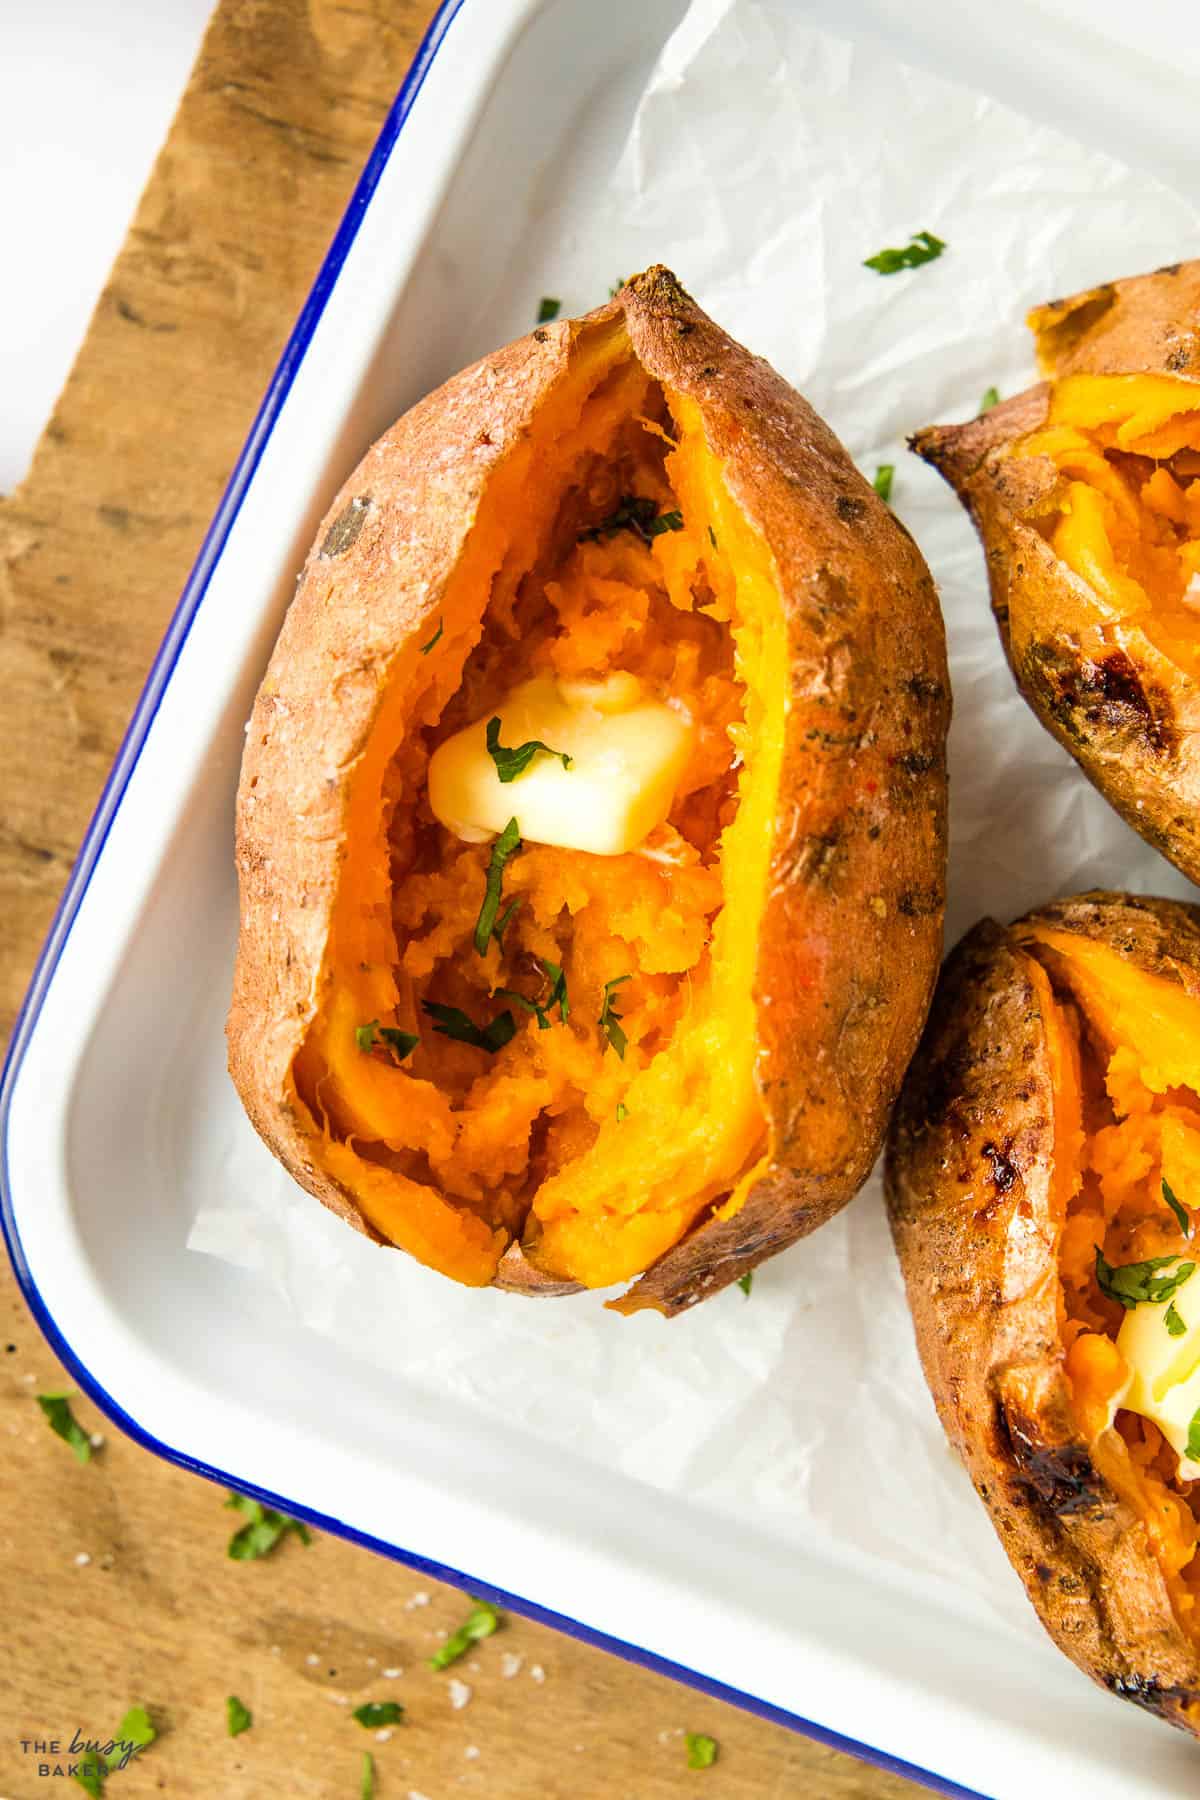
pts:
[594, 1148]
[1125, 1050]
[1127, 512]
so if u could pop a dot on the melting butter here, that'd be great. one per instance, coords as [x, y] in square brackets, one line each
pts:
[1164, 1371]
[627, 753]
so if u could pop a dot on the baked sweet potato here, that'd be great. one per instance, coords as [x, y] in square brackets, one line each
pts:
[1086, 493]
[1043, 1181]
[547, 1066]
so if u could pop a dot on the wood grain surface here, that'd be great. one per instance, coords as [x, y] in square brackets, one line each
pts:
[115, 1587]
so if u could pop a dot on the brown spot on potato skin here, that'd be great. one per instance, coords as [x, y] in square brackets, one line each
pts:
[342, 534]
[1149, 1693]
[923, 689]
[914, 903]
[1061, 1475]
[1087, 697]
[819, 858]
[1004, 1171]
[916, 762]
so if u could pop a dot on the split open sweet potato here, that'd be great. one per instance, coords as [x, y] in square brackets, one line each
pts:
[1086, 493]
[1043, 1178]
[544, 1066]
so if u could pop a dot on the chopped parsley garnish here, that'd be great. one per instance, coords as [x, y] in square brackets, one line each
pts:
[482, 1620]
[1134, 1284]
[558, 988]
[556, 997]
[452, 1022]
[238, 1718]
[616, 287]
[502, 923]
[1185, 1224]
[712, 537]
[366, 1789]
[263, 1530]
[511, 763]
[746, 1282]
[57, 1408]
[636, 513]
[923, 248]
[506, 845]
[373, 1036]
[134, 1733]
[622, 1112]
[1193, 1443]
[610, 1018]
[548, 308]
[991, 398]
[884, 476]
[1174, 1324]
[373, 1713]
[701, 1750]
[531, 1006]
[426, 648]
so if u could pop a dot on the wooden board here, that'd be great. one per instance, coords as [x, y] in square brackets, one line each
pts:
[114, 1583]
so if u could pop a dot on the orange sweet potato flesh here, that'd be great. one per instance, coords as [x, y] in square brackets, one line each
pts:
[1086, 493]
[780, 932]
[1057, 1083]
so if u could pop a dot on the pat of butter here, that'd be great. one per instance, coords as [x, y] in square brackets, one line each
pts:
[627, 755]
[1164, 1381]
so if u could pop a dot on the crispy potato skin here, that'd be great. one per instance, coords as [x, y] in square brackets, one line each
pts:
[969, 1190]
[1127, 713]
[851, 933]
[1145, 323]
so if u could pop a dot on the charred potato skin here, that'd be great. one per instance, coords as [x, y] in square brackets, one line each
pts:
[851, 933]
[968, 1178]
[1128, 715]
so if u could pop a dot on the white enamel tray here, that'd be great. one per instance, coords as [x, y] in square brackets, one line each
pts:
[116, 1072]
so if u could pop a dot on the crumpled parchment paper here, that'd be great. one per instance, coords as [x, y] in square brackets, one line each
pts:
[766, 160]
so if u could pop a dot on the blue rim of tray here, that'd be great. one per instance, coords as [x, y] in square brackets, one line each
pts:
[77, 885]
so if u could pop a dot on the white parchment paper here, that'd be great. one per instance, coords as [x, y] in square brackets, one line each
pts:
[767, 159]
